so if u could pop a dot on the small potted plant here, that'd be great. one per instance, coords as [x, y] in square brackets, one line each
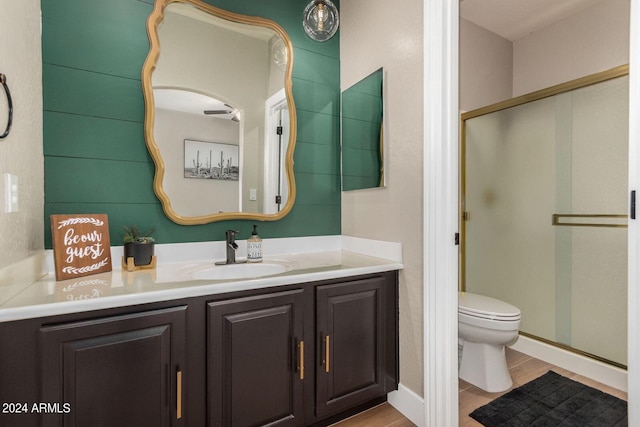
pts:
[138, 245]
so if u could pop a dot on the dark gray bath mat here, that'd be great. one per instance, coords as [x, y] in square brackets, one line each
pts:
[553, 400]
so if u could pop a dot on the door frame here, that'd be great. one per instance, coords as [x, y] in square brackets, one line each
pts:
[440, 203]
[633, 314]
[440, 210]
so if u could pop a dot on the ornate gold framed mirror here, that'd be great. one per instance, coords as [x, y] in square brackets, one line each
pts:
[220, 121]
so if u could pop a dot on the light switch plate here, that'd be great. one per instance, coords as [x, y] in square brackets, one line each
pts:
[253, 195]
[10, 193]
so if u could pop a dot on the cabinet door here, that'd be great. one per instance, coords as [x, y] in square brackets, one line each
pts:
[117, 371]
[350, 344]
[255, 360]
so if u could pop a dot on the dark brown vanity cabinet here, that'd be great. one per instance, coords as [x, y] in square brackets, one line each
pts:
[115, 371]
[294, 355]
[255, 360]
[299, 356]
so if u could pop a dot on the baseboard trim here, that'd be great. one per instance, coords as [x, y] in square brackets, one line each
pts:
[408, 403]
[598, 371]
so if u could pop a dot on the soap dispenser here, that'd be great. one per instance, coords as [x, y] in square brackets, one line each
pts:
[254, 246]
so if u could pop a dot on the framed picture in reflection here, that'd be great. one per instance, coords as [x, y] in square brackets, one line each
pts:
[211, 160]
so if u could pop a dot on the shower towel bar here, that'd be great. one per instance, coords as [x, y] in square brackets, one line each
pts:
[556, 218]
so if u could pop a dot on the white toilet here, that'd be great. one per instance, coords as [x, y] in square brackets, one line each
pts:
[485, 326]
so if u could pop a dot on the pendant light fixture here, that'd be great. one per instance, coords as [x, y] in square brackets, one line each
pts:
[320, 20]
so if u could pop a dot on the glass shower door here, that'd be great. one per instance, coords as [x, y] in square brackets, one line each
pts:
[590, 221]
[544, 203]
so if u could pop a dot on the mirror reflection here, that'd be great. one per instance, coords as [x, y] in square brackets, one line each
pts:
[220, 122]
[362, 134]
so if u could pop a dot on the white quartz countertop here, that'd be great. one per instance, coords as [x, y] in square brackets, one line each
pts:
[169, 281]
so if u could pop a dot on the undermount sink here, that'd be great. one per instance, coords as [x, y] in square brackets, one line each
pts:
[239, 271]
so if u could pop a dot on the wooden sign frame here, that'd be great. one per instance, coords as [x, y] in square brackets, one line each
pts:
[81, 245]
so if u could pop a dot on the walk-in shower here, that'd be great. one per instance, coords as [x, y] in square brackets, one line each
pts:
[543, 211]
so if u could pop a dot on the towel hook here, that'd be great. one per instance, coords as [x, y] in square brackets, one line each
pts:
[3, 81]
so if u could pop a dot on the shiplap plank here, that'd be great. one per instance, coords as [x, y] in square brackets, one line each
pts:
[317, 68]
[71, 135]
[78, 180]
[151, 216]
[316, 159]
[315, 97]
[318, 128]
[104, 36]
[317, 188]
[88, 93]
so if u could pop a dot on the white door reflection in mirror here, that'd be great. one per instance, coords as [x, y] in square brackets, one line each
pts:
[276, 143]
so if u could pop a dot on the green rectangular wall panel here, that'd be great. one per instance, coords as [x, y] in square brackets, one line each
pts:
[73, 135]
[316, 68]
[317, 220]
[90, 93]
[315, 97]
[77, 180]
[318, 189]
[96, 35]
[313, 158]
[318, 128]
[95, 153]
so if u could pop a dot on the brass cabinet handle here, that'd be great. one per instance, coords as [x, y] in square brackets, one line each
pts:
[326, 353]
[301, 356]
[179, 392]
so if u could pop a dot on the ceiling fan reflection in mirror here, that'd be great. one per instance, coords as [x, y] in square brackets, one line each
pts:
[232, 112]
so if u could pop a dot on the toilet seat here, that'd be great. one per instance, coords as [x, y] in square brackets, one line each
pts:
[484, 307]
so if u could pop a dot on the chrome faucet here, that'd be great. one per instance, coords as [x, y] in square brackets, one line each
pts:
[231, 247]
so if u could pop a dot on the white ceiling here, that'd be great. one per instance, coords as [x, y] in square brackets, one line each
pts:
[189, 102]
[514, 19]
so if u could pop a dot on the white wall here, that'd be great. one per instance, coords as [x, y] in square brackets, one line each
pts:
[376, 34]
[21, 233]
[195, 197]
[594, 40]
[486, 67]
[493, 69]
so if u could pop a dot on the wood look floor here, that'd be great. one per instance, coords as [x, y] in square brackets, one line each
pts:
[383, 415]
[522, 368]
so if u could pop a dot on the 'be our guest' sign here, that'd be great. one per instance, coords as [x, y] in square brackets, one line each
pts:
[80, 245]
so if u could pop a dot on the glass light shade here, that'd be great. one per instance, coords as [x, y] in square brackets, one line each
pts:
[279, 54]
[320, 20]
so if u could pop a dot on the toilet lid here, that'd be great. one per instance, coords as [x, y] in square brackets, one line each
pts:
[486, 307]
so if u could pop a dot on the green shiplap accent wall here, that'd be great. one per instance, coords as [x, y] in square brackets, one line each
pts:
[95, 155]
